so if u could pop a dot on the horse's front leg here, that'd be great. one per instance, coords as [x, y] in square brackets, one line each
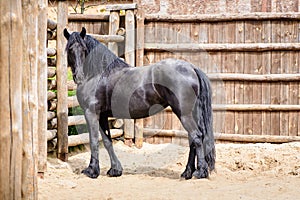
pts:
[116, 167]
[92, 119]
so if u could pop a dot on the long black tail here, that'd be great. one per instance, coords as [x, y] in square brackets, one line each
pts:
[205, 104]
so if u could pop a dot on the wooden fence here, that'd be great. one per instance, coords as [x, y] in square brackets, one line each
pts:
[23, 97]
[252, 60]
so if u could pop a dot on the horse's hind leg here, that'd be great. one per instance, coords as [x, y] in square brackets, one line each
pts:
[116, 167]
[196, 149]
[190, 167]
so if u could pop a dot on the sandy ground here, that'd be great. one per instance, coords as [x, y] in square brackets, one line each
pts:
[244, 171]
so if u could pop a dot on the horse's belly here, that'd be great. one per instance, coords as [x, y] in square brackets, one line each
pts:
[140, 103]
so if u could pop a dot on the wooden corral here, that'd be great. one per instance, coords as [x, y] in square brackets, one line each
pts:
[249, 51]
[23, 97]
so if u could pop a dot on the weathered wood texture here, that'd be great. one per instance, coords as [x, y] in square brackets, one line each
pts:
[11, 99]
[42, 85]
[30, 99]
[130, 59]
[251, 60]
[61, 77]
[140, 32]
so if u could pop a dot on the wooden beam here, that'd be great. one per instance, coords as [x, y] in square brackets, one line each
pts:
[80, 17]
[11, 139]
[140, 40]
[227, 137]
[114, 23]
[116, 7]
[191, 47]
[130, 59]
[61, 77]
[253, 77]
[75, 140]
[255, 107]
[251, 107]
[30, 99]
[223, 17]
[108, 38]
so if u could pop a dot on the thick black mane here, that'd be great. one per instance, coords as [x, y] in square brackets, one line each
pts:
[98, 59]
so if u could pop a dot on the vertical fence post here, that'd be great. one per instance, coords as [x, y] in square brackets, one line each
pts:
[29, 99]
[10, 99]
[42, 85]
[140, 34]
[114, 22]
[130, 59]
[62, 88]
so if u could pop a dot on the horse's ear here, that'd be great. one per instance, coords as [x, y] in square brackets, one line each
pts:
[83, 32]
[66, 34]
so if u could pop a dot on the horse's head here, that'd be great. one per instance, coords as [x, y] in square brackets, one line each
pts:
[76, 53]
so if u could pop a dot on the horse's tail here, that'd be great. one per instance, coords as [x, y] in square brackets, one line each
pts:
[205, 122]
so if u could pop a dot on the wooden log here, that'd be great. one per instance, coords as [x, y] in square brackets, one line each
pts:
[51, 72]
[108, 38]
[75, 140]
[114, 22]
[51, 134]
[51, 52]
[11, 99]
[50, 115]
[190, 47]
[140, 40]
[76, 120]
[222, 17]
[118, 7]
[118, 123]
[251, 107]
[255, 107]
[52, 104]
[80, 17]
[51, 35]
[130, 59]
[52, 124]
[51, 95]
[72, 102]
[254, 77]
[257, 138]
[30, 99]
[51, 24]
[227, 137]
[61, 76]
[51, 84]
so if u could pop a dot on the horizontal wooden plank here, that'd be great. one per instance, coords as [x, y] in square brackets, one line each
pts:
[108, 38]
[222, 17]
[190, 47]
[253, 77]
[255, 107]
[80, 17]
[228, 137]
[128, 6]
[251, 107]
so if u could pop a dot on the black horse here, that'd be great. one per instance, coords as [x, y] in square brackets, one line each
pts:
[109, 87]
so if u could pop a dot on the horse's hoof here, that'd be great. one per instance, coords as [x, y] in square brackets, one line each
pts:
[201, 173]
[188, 173]
[114, 172]
[90, 172]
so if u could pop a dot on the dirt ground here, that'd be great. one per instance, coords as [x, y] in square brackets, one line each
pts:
[244, 171]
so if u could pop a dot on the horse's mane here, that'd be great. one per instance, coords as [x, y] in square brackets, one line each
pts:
[99, 58]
